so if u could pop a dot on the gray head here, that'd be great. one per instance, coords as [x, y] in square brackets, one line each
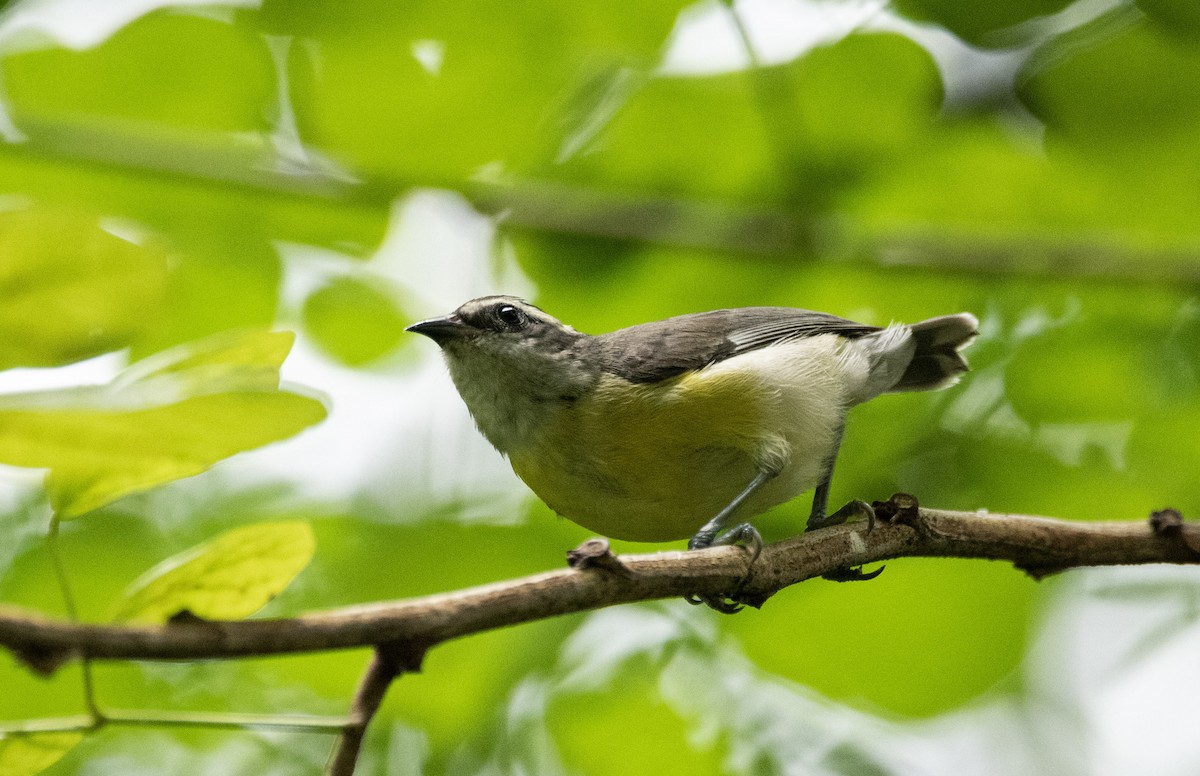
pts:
[512, 364]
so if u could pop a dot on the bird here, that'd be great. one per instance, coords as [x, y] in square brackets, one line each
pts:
[685, 427]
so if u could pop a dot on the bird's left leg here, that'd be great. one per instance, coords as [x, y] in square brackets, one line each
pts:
[856, 508]
[716, 532]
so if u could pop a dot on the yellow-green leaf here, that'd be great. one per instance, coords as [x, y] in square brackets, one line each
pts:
[169, 417]
[106, 455]
[71, 290]
[226, 578]
[354, 322]
[24, 754]
[230, 349]
[227, 361]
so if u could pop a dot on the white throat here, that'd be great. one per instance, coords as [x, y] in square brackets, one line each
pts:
[511, 394]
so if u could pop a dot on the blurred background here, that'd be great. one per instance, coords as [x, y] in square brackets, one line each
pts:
[173, 170]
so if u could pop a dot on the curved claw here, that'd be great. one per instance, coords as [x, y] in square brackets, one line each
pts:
[718, 603]
[852, 574]
[856, 508]
[743, 535]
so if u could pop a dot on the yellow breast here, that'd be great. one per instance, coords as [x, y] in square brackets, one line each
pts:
[648, 462]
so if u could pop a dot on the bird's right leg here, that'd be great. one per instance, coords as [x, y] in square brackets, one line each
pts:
[716, 532]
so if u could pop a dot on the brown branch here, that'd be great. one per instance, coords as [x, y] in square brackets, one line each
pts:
[1036, 544]
[388, 662]
[208, 160]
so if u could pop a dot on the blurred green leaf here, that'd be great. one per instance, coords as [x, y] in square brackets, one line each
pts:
[24, 754]
[225, 280]
[166, 179]
[868, 93]
[170, 417]
[1114, 366]
[227, 578]
[846, 623]
[1163, 452]
[1176, 17]
[1178, 362]
[978, 199]
[353, 321]
[797, 131]
[224, 242]
[979, 23]
[625, 27]
[659, 742]
[462, 86]
[1118, 82]
[70, 289]
[166, 67]
[699, 136]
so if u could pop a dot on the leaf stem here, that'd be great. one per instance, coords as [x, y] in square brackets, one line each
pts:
[138, 718]
[64, 586]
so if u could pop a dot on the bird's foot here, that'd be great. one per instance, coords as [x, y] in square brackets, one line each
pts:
[855, 509]
[743, 535]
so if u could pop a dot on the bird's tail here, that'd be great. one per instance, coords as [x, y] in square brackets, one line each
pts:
[938, 362]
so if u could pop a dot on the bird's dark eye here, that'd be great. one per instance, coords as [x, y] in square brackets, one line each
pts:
[510, 316]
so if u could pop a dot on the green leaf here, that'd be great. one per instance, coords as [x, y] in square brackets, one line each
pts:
[467, 85]
[168, 417]
[166, 68]
[1088, 208]
[867, 93]
[1119, 374]
[799, 131]
[224, 360]
[1177, 17]
[226, 578]
[70, 290]
[1117, 83]
[354, 322]
[979, 23]
[24, 754]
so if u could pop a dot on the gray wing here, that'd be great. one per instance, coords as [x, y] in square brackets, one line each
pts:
[663, 349]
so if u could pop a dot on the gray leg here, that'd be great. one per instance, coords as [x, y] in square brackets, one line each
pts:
[711, 534]
[714, 532]
[817, 518]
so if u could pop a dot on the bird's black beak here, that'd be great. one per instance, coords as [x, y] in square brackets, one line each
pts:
[441, 330]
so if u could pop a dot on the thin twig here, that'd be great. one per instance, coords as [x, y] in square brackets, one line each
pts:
[388, 662]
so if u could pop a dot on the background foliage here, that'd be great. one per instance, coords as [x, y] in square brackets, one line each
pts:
[178, 176]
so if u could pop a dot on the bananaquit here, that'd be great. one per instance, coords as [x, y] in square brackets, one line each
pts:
[689, 426]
